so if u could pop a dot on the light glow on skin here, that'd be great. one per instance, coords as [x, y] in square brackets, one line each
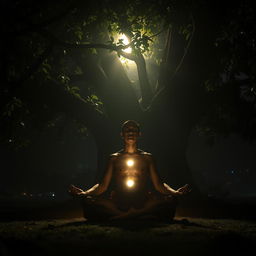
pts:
[130, 162]
[130, 183]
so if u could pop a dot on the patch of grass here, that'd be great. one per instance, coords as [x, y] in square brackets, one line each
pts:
[76, 236]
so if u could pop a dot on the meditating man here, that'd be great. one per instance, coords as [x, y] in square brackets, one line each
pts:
[128, 176]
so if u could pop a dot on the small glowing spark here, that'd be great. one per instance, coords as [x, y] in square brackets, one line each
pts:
[130, 183]
[130, 162]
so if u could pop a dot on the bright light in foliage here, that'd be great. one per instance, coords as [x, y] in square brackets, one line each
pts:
[130, 183]
[128, 65]
[125, 42]
[130, 162]
[127, 50]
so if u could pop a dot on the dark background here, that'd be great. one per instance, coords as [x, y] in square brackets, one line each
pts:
[197, 140]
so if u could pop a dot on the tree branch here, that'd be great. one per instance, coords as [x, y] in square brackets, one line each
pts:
[164, 71]
[59, 42]
[187, 47]
[73, 105]
[145, 87]
[126, 55]
[158, 33]
[146, 92]
[108, 78]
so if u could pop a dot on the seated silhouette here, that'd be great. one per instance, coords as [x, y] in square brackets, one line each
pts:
[128, 175]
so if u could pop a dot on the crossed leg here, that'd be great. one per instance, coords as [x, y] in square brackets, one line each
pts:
[161, 208]
[98, 208]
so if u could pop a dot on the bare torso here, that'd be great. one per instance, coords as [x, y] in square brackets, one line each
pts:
[130, 178]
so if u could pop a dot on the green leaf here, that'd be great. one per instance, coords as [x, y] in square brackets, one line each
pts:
[94, 97]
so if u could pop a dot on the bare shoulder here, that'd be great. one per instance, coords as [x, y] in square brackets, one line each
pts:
[146, 154]
[142, 152]
[112, 158]
[115, 155]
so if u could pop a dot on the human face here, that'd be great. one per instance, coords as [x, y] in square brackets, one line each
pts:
[130, 133]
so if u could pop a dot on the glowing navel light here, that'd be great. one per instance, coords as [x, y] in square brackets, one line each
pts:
[130, 183]
[130, 162]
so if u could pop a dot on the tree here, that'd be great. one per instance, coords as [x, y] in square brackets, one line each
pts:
[65, 59]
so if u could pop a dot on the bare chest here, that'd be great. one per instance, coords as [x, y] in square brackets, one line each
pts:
[135, 166]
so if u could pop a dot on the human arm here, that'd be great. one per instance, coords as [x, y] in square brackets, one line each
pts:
[161, 187]
[180, 191]
[99, 188]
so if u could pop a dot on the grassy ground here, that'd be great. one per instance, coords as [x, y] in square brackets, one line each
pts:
[191, 236]
[76, 236]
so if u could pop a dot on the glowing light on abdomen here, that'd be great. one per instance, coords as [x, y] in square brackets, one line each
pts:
[130, 183]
